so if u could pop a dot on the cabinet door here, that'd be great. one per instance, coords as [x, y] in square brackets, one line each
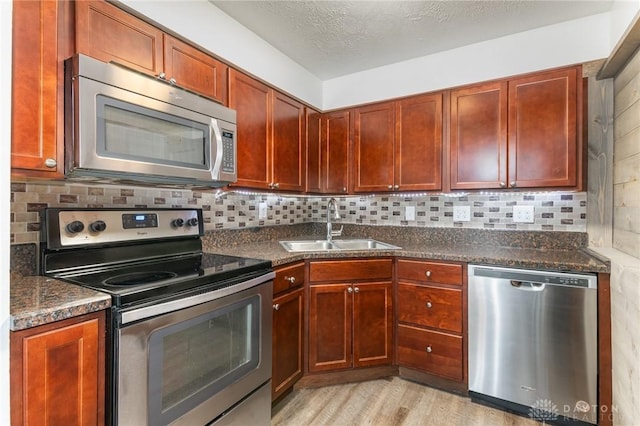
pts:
[330, 310]
[289, 153]
[372, 324]
[373, 147]
[478, 137]
[288, 329]
[57, 373]
[543, 137]
[336, 151]
[314, 151]
[418, 152]
[194, 70]
[108, 33]
[37, 91]
[252, 102]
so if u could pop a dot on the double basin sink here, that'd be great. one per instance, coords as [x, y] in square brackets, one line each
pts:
[336, 245]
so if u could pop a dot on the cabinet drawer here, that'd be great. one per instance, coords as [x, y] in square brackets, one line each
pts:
[417, 270]
[350, 270]
[430, 306]
[431, 351]
[288, 277]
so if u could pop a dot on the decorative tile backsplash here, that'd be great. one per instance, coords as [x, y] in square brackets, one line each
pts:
[554, 211]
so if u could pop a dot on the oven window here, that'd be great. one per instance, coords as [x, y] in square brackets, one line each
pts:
[131, 132]
[199, 357]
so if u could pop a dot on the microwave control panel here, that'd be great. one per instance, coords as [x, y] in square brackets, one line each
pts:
[228, 152]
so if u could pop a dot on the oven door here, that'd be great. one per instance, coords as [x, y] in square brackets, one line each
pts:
[192, 365]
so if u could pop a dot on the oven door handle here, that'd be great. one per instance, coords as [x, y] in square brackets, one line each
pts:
[127, 317]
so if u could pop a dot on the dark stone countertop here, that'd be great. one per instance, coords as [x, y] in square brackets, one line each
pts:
[37, 300]
[570, 259]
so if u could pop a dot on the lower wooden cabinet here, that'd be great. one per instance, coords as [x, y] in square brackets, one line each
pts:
[58, 372]
[288, 329]
[430, 314]
[350, 314]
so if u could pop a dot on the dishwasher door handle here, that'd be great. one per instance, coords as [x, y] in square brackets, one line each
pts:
[528, 286]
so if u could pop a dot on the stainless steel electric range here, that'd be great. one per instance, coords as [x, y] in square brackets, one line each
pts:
[190, 332]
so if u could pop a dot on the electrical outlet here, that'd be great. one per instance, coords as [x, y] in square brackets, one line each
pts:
[523, 214]
[262, 210]
[461, 213]
[410, 213]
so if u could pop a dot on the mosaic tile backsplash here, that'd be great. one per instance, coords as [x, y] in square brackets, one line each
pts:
[553, 211]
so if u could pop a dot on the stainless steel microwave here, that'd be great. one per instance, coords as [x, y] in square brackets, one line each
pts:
[123, 126]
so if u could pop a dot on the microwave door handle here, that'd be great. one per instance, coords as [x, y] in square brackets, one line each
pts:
[215, 136]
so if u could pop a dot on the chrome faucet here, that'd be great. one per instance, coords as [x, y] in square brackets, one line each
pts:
[336, 215]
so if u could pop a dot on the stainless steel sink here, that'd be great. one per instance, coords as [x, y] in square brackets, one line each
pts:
[363, 245]
[336, 245]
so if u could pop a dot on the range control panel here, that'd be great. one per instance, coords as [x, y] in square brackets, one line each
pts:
[64, 228]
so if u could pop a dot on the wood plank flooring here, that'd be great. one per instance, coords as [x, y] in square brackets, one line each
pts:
[386, 402]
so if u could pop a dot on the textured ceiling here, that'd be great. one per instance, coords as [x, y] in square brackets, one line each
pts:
[334, 38]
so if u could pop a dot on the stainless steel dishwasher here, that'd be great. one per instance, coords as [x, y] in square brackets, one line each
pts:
[533, 342]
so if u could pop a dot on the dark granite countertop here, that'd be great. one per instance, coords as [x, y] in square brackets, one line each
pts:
[37, 300]
[572, 259]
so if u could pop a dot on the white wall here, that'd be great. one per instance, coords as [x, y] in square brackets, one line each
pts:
[212, 29]
[5, 147]
[622, 14]
[567, 43]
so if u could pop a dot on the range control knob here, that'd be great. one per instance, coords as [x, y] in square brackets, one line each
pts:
[177, 223]
[97, 226]
[75, 227]
[192, 222]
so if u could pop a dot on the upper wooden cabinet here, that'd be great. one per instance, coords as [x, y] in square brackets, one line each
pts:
[39, 49]
[107, 33]
[398, 145]
[314, 151]
[518, 133]
[373, 147]
[335, 153]
[271, 135]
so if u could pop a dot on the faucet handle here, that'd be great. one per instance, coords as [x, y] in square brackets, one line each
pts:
[337, 233]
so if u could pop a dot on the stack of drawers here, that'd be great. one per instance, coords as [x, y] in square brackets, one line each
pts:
[430, 318]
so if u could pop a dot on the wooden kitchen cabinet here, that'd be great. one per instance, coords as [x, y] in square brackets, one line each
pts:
[288, 328]
[271, 135]
[334, 153]
[350, 314]
[40, 45]
[314, 151]
[58, 372]
[109, 34]
[398, 145]
[431, 311]
[518, 133]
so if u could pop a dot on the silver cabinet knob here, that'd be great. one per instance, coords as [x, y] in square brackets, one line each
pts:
[349, 290]
[276, 307]
[356, 290]
[390, 187]
[292, 280]
[276, 185]
[344, 189]
[503, 185]
[162, 76]
[512, 184]
[429, 348]
[429, 305]
[50, 162]
[428, 274]
[172, 81]
[396, 187]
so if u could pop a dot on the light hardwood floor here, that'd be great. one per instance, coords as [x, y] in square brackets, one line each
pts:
[386, 402]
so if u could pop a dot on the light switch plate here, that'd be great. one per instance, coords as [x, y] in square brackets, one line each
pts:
[410, 213]
[523, 214]
[461, 213]
[262, 210]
